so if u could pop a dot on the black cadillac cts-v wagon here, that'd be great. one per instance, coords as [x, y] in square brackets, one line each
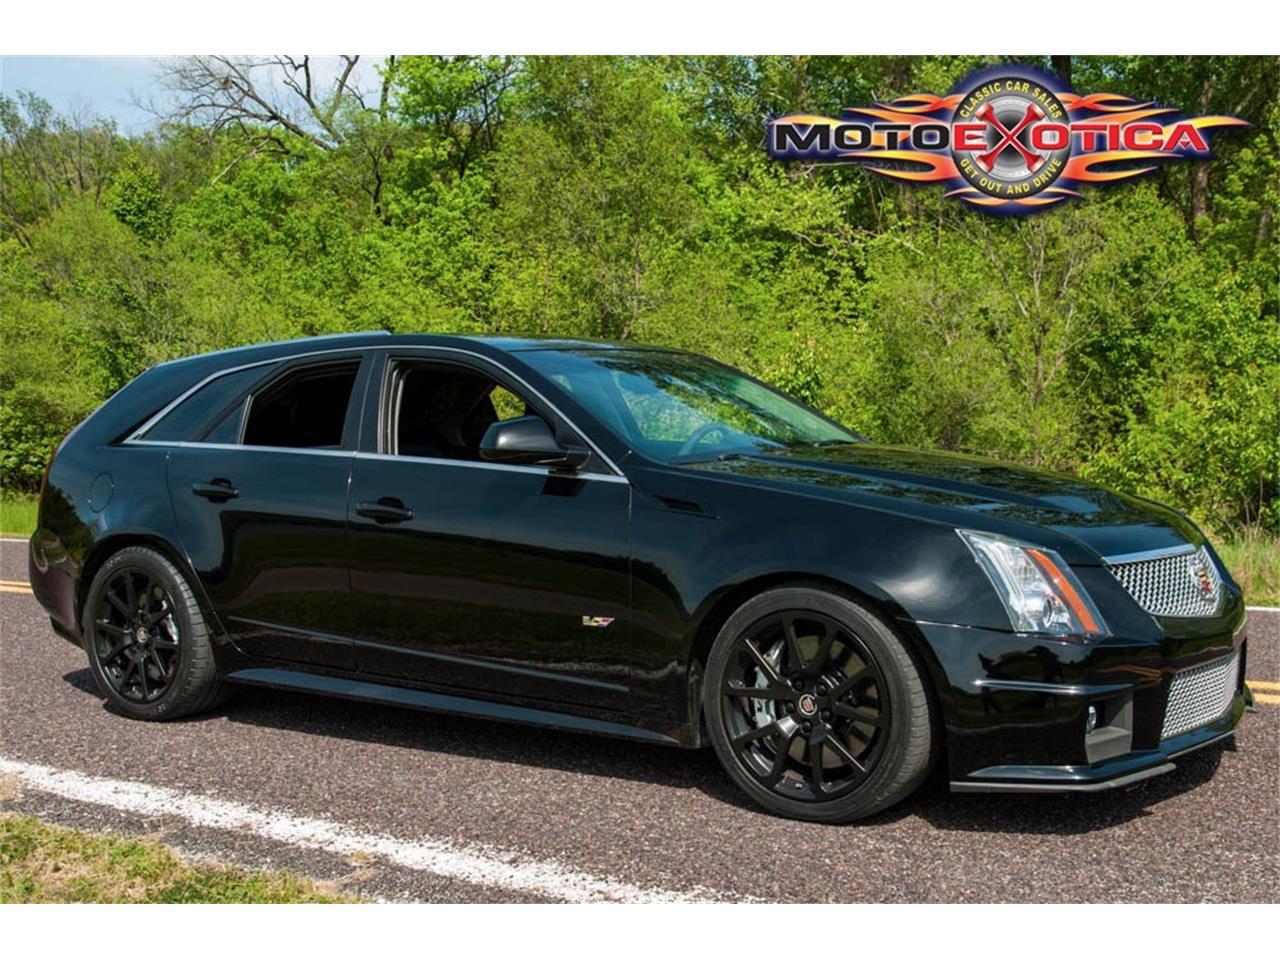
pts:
[635, 542]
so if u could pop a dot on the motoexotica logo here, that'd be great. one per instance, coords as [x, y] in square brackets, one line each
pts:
[1008, 140]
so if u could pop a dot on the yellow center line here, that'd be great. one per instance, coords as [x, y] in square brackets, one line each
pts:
[1264, 685]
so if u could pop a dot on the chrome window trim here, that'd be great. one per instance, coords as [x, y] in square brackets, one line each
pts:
[391, 351]
[481, 465]
[136, 436]
[198, 445]
[1157, 554]
[365, 455]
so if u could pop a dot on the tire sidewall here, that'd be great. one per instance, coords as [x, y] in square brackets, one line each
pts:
[880, 641]
[152, 563]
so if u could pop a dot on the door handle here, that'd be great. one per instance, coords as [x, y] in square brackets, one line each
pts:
[386, 510]
[215, 490]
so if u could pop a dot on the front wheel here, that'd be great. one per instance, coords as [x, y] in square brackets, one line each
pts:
[815, 708]
[147, 640]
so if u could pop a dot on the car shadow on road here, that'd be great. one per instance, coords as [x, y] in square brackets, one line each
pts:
[1066, 814]
[597, 756]
[480, 739]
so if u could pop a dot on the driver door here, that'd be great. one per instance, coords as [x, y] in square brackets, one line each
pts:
[504, 580]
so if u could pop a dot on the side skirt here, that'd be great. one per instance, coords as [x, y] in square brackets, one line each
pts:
[370, 692]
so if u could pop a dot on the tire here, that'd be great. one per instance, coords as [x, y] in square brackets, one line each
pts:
[172, 673]
[862, 717]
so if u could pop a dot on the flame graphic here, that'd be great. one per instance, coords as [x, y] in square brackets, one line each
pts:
[1097, 165]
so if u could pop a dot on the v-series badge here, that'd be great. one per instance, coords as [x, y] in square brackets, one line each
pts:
[1010, 140]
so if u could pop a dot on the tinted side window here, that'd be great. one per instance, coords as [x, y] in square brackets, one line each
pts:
[187, 420]
[442, 411]
[304, 408]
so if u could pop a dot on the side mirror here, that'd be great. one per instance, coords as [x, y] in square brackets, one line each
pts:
[528, 440]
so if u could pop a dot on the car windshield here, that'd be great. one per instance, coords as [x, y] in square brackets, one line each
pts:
[680, 408]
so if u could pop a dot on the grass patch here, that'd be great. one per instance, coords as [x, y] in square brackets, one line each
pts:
[17, 515]
[1254, 561]
[41, 863]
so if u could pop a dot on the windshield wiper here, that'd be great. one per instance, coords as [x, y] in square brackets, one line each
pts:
[712, 458]
[831, 443]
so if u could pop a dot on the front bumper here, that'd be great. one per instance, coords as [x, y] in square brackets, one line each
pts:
[1016, 706]
[1105, 775]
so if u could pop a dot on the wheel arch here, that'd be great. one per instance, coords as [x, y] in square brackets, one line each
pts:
[112, 544]
[730, 599]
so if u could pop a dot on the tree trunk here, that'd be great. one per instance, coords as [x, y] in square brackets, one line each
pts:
[1200, 169]
[1062, 67]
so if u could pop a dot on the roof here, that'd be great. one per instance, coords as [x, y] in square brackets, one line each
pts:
[153, 388]
[385, 338]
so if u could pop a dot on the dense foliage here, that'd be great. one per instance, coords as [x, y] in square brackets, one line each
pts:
[1132, 337]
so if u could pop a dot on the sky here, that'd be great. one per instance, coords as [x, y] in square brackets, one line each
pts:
[107, 86]
[101, 85]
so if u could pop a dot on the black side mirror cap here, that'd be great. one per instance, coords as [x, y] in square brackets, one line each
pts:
[528, 440]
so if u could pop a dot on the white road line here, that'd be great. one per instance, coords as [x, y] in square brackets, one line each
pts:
[1263, 609]
[482, 865]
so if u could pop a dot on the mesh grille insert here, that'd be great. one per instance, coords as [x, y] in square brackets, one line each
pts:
[1182, 585]
[1200, 695]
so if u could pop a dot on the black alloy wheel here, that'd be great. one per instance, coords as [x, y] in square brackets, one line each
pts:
[149, 647]
[816, 708]
[136, 636]
[805, 705]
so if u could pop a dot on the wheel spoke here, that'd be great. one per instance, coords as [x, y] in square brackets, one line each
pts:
[815, 765]
[762, 662]
[116, 602]
[106, 626]
[113, 652]
[861, 716]
[164, 643]
[754, 734]
[847, 684]
[142, 679]
[735, 688]
[838, 747]
[779, 766]
[796, 655]
[155, 658]
[824, 648]
[131, 593]
[153, 618]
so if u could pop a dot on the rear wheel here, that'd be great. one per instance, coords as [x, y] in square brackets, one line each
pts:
[148, 644]
[815, 707]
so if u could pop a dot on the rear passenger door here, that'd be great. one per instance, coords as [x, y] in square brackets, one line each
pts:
[260, 497]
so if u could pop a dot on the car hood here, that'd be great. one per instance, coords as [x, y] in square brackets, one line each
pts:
[965, 490]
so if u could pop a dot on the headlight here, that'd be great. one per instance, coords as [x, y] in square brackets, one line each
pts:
[1038, 590]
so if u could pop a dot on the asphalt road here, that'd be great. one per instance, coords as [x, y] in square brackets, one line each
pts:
[397, 804]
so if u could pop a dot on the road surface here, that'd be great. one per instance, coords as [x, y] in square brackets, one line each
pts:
[397, 805]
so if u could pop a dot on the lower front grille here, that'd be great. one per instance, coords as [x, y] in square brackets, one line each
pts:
[1200, 695]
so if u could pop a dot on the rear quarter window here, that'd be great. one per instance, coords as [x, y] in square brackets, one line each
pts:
[192, 417]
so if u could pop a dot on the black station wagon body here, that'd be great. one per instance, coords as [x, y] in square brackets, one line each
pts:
[355, 515]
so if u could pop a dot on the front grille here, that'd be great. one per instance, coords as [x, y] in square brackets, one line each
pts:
[1184, 584]
[1200, 695]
